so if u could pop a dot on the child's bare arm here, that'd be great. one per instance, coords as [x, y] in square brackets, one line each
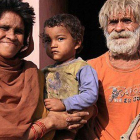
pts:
[54, 104]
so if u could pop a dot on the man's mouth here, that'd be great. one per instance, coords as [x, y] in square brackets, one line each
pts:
[121, 37]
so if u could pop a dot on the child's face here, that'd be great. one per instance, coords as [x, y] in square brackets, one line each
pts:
[60, 46]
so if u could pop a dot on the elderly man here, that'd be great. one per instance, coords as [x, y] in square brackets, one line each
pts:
[118, 69]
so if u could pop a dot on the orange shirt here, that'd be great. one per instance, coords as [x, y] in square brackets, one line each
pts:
[119, 98]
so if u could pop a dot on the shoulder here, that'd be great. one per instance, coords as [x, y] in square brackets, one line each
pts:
[41, 75]
[79, 63]
[45, 69]
[87, 73]
[87, 68]
[75, 66]
[98, 62]
[29, 64]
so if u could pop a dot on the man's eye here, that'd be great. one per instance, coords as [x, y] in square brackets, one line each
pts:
[113, 21]
[127, 21]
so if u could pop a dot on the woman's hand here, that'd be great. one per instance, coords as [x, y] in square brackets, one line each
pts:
[79, 118]
[64, 120]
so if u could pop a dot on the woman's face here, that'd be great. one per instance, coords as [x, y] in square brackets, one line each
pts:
[11, 34]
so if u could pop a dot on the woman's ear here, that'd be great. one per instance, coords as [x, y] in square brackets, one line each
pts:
[78, 45]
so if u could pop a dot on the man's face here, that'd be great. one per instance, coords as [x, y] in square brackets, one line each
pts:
[122, 34]
[122, 22]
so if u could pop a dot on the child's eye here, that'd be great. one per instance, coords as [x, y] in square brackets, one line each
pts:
[47, 40]
[4, 28]
[60, 38]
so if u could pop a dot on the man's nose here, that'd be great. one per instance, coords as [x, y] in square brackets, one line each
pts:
[119, 27]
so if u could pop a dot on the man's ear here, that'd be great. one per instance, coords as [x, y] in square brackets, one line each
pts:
[78, 45]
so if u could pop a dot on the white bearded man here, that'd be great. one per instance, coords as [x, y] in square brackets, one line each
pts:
[119, 70]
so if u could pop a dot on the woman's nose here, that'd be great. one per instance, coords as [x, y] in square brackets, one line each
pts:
[11, 35]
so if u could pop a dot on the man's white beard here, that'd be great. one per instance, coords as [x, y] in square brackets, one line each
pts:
[127, 46]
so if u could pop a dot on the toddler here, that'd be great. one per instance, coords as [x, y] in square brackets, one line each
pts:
[71, 84]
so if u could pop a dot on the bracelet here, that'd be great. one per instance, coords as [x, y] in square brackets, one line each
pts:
[42, 127]
[35, 133]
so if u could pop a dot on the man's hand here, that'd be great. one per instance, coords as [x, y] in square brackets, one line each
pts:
[54, 104]
[135, 134]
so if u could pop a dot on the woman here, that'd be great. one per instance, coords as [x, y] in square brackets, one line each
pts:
[21, 83]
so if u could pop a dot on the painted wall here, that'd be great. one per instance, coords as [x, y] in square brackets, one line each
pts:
[48, 8]
[34, 56]
[44, 9]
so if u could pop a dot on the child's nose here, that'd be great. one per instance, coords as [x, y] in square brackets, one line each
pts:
[54, 44]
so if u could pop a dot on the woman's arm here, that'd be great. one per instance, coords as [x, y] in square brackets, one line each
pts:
[66, 121]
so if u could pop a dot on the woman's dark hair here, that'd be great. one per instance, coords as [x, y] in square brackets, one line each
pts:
[70, 22]
[23, 10]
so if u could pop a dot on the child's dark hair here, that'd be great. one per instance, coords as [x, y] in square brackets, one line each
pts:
[23, 10]
[69, 21]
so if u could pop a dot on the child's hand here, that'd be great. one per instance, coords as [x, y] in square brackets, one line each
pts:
[54, 104]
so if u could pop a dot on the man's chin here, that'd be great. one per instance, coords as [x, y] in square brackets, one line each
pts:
[127, 53]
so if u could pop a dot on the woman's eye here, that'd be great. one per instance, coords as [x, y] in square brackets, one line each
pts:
[5, 28]
[19, 31]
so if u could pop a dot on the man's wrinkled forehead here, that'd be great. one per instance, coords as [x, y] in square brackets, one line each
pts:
[126, 12]
[121, 13]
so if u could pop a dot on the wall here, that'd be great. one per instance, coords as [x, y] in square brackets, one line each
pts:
[34, 56]
[48, 8]
[44, 9]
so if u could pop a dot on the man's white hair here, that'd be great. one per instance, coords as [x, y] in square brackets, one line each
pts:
[113, 7]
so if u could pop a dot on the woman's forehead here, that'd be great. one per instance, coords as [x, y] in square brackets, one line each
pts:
[11, 17]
